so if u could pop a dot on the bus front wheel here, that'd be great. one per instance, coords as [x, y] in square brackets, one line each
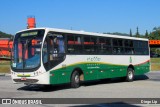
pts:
[130, 75]
[75, 79]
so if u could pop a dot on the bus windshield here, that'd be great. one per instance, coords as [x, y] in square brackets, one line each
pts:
[26, 49]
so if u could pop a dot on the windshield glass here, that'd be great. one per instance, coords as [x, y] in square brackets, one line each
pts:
[26, 49]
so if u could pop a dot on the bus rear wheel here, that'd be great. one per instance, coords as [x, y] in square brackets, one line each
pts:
[130, 75]
[75, 79]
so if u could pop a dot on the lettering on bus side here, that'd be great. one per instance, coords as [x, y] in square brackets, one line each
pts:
[93, 59]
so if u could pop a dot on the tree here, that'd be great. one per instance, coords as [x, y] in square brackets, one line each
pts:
[117, 33]
[5, 35]
[156, 28]
[146, 34]
[137, 33]
[130, 33]
[155, 34]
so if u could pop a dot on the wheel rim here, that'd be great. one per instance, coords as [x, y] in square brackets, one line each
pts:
[76, 78]
[130, 75]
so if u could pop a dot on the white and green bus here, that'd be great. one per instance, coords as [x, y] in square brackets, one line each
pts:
[57, 56]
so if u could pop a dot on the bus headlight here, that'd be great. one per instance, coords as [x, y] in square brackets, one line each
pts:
[36, 73]
[13, 73]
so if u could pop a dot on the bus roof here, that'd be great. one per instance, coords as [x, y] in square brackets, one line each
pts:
[86, 33]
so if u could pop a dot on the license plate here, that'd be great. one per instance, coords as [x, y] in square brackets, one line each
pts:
[23, 78]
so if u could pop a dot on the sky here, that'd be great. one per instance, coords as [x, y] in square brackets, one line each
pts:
[88, 15]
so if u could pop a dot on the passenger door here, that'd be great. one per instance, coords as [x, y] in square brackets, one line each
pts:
[53, 50]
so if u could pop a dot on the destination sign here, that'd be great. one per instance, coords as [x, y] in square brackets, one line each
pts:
[29, 34]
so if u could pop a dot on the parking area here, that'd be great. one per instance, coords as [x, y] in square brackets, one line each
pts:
[144, 86]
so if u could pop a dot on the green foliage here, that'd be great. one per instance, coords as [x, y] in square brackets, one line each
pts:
[156, 28]
[130, 33]
[5, 35]
[155, 34]
[137, 33]
[118, 33]
[146, 34]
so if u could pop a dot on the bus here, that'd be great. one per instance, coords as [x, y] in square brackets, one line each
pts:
[51, 56]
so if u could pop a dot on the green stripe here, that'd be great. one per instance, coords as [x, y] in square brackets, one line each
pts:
[25, 75]
[95, 70]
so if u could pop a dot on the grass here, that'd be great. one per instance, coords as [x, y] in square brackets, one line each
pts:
[155, 64]
[4, 62]
[5, 65]
[4, 68]
[155, 60]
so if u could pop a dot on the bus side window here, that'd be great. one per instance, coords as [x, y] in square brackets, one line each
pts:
[128, 47]
[90, 45]
[118, 46]
[61, 45]
[45, 53]
[55, 49]
[74, 44]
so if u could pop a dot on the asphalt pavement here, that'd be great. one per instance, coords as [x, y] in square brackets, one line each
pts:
[144, 86]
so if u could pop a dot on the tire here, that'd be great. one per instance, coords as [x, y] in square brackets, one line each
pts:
[130, 75]
[75, 79]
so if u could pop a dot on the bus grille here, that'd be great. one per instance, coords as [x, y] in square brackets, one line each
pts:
[26, 81]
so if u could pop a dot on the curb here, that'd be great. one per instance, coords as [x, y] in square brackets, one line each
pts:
[7, 74]
[3, 74]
